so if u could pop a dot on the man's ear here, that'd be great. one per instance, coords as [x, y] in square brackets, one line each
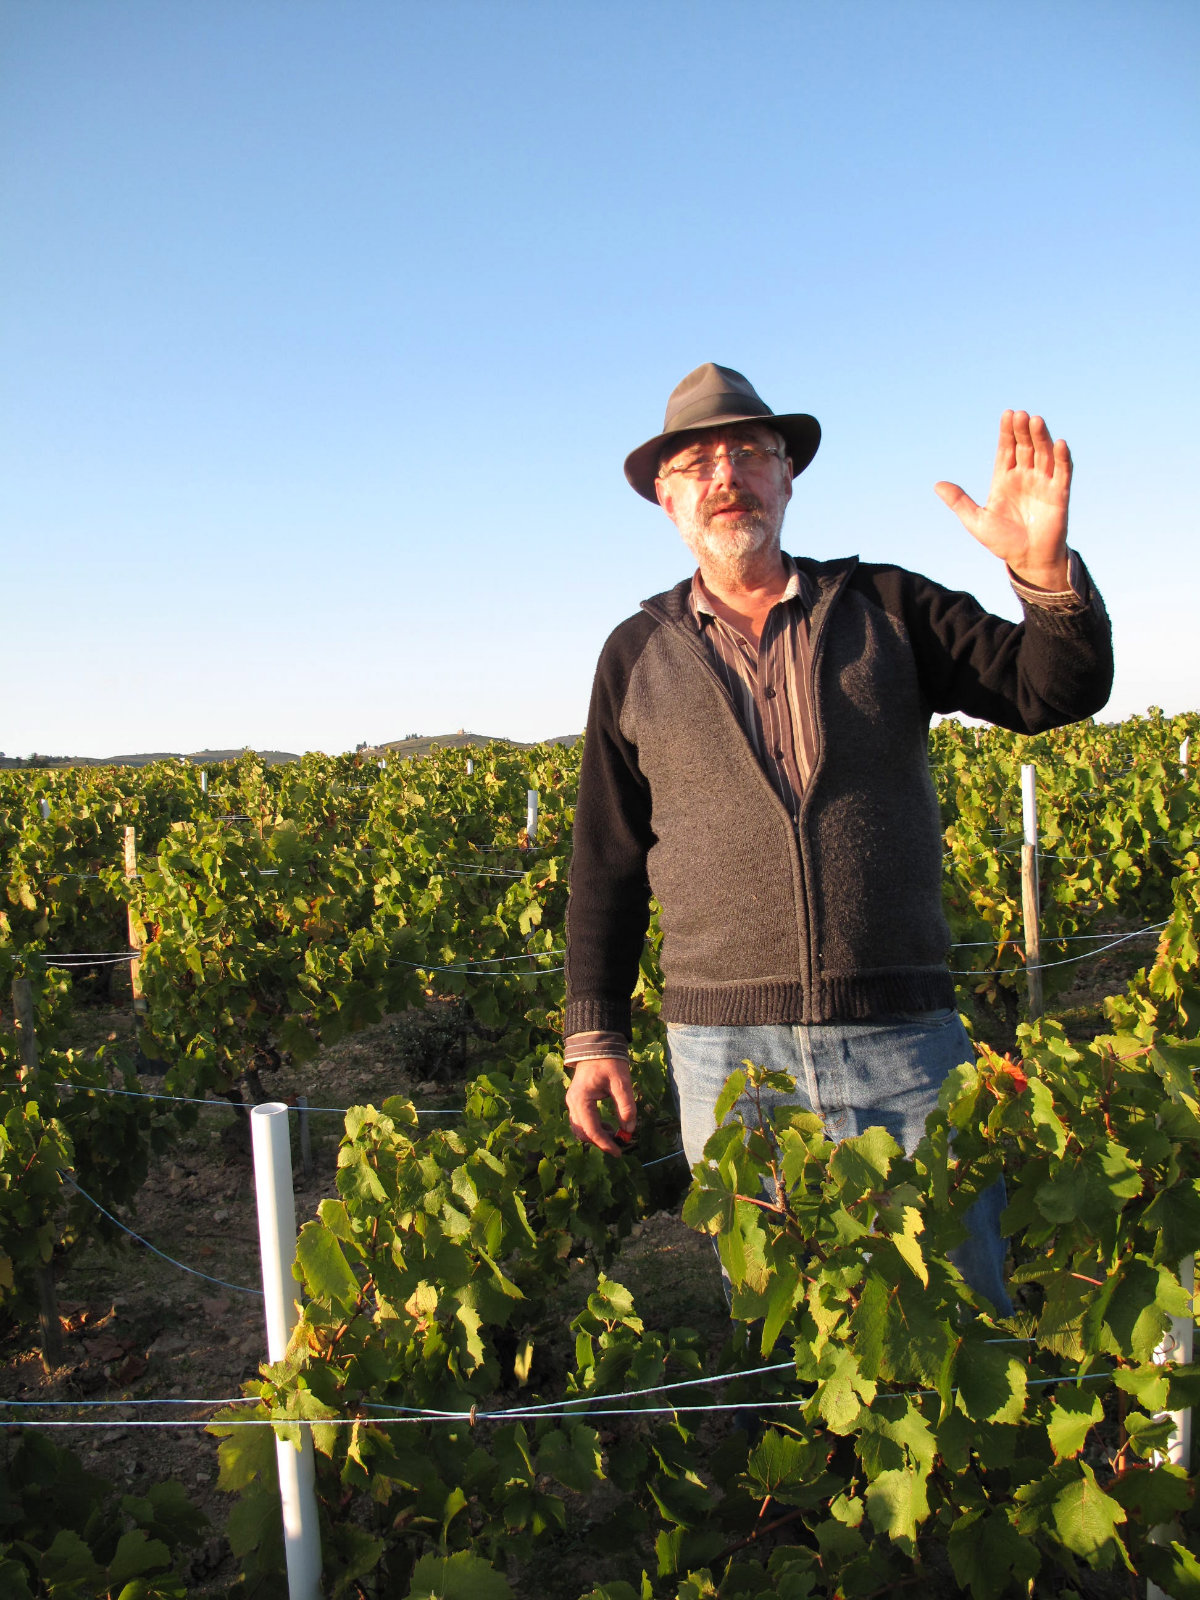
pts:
[665, 498]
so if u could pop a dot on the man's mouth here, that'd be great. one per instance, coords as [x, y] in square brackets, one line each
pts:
[730, 514]
[732, 508]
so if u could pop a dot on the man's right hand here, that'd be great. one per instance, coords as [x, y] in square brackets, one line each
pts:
[602, 1078]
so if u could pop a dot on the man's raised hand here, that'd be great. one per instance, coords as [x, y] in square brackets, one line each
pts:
[603, 1078]
[1025, 519]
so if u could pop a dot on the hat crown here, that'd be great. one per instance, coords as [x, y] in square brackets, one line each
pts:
[710, 393]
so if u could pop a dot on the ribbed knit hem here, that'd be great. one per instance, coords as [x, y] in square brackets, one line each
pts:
[598, 1016]
[776, 1000]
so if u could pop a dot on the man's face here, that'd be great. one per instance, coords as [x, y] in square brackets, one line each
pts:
[737, 511]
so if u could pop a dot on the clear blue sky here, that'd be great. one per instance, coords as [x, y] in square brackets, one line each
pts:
[325, 329]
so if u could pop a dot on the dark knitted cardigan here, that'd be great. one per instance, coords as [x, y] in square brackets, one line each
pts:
[839, 916]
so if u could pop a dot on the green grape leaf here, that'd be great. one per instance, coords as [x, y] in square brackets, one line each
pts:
[135, 1555]
[326, 1271]
[1075, 1412]
[897, 1504]
[69, 1562]
[842, 1389]
[988, 1554]
[1174, 1568]
[462, 1576]
[779, 1464]
[991, 1382]
[729, 1096]
[861, 1165]
[1087, 1519]
[572, 1455]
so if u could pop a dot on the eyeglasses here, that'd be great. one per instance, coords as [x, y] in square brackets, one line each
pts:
[748, 457]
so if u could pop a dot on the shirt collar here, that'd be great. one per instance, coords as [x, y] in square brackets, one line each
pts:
[701, 600]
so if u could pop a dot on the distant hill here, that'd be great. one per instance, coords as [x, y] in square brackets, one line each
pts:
[421, 745]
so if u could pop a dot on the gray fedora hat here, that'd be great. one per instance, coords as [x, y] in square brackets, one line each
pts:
[712, 397]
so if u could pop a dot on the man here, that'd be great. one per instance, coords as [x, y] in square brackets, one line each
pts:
[757, 757]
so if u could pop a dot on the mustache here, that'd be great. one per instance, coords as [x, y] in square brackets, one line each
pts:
[744, 500]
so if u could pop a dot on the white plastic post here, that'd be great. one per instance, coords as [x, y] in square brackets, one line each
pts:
[271, 1143]
[470, 767]
[204, 783]
[1185, 751]
[1029, 814]
[1177, 1346]
[531, 808]
[45, 805]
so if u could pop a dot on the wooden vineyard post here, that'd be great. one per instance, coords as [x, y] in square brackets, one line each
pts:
[1029, 890]
[22, 998]
[134, 926]
[470, 767]
[204, 783]
[49, 1322]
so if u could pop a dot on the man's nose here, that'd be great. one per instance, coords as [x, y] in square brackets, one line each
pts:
[724, 470]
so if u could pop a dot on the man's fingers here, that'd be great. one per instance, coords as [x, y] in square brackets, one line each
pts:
[1023, 438]
[1006, 449]
[959, 501]
[626, 1106]
[1043, 445]
[1063, 465]
[595, 1082]
[588, 1127]
[583, 1110]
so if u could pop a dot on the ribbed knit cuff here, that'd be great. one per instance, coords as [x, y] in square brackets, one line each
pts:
[598, 1015]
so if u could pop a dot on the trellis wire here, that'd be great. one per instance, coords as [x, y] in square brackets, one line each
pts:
[182, 1265]
[226, 1105]
[480, 961]
[658, 1160]
[1050, 938]
[531, 1413]
[477, 972]
[1040, 966]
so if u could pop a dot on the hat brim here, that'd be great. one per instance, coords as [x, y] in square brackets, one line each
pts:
[801, 433]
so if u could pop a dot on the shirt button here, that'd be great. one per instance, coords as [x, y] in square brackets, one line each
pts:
[779, 755]
[769, 692]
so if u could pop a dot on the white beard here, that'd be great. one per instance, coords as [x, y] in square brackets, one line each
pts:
[732, 549]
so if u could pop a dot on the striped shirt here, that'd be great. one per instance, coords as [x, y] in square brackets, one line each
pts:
[771, 687]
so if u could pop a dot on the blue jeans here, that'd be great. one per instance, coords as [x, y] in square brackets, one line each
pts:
[854, 1075]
